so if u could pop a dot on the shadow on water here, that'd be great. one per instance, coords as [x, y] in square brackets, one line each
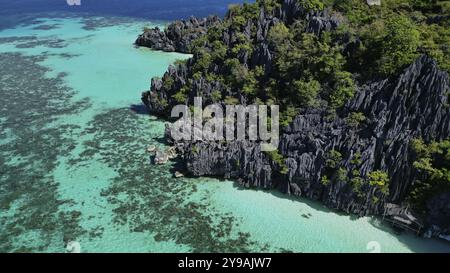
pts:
[139, 109]
[160, 140]
[413, 242]
[178, 165]
[315, 205]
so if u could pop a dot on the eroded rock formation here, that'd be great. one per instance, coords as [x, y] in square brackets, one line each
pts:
[413, 104]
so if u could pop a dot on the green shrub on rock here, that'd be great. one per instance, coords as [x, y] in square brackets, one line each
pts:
[379, 179]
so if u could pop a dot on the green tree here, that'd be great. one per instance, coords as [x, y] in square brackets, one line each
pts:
[279, 160]
[278, 34]
[341, 175]
[168, 82]
[268, 5]
[325, 180]
[379, 179]
[355, 119]
[181, 95]
[434, 42]
[433, 165]
[216, 96]
[333, 159]
[219, 51]
[237, 73]
[344, 89]
[399, 46]
[231, 100]
[202, 61]
[307, 91]
[311, 4]
[288, 115]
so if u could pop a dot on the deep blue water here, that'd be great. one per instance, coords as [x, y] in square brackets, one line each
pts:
[152, 9]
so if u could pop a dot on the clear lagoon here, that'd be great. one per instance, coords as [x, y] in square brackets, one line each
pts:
[74, 168]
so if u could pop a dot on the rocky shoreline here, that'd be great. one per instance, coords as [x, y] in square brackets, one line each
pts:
[178, 36]
[413, 104]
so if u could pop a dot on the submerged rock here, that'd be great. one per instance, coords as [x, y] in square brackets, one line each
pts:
[151, 149]
[161, 158]
[178, 174]
[171, 152]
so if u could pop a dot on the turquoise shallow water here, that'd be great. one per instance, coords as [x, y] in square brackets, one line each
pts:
[74, 166]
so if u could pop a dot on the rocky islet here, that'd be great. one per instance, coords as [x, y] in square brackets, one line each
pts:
[398, 109]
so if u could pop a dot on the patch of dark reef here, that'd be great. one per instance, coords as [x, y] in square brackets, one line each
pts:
[15, 39]
[33, 41]
[353, 153]
[94, 23]
[29, 151]
[63, 55]
[33, 20]
[148, 198]
[47, 42]
[47, 27]
[139, 109]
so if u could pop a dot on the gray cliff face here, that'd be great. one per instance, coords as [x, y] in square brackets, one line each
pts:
[397, 111]
[439, 214]
[178, 36]
[410, 105]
